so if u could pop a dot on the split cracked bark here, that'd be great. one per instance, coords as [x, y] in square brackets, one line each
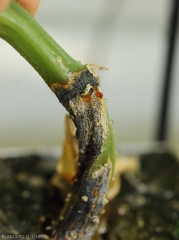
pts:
[83, 99]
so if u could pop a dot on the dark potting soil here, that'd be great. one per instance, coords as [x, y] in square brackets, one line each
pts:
[146, 208]
[28, 203]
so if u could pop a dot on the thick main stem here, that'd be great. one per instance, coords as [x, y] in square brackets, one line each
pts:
[84, 101]
[22, 32]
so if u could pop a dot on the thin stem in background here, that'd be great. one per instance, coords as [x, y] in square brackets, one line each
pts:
[162, 130]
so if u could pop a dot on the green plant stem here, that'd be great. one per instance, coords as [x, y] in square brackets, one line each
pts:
[85, 103]
[22, 32]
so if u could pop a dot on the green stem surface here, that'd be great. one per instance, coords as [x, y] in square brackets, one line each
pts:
[85, 103]
[21, 31]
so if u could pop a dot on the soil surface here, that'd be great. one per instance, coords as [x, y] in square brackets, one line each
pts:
[147, 207]
[28, 202]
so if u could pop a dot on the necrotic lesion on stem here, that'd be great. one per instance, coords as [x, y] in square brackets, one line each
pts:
[84, 101]
[77, 88]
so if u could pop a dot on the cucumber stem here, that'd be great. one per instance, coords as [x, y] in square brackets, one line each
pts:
[22, 32]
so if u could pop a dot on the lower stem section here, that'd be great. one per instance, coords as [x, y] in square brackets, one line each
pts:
[84, 101]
